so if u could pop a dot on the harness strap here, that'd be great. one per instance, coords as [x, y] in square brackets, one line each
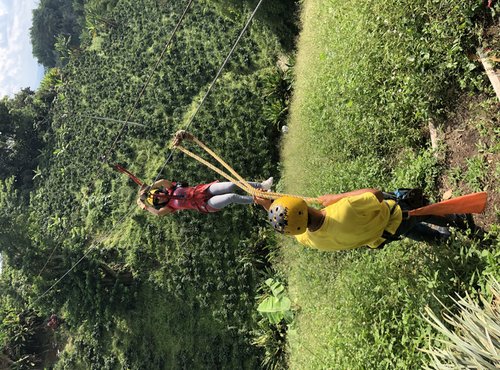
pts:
[386, 234]
[128, 173]
[391, 237]
[234, 177]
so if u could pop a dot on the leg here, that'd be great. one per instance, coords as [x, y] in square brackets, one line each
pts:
[220, 188]
[424, 232]
[460, 221]
[223, 200]
[419, 228]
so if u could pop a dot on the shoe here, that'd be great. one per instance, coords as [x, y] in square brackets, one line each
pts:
[463, 222]
[266, 185]
[443, 231]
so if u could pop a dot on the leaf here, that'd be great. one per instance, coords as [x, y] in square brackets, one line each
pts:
[485, 253]
[276, 287]
[447, 194]
[275, 309]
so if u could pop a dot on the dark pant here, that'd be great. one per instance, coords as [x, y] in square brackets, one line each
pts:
[431, 229]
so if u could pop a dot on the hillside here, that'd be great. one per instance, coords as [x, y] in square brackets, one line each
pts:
[176, 292]
[370, 77]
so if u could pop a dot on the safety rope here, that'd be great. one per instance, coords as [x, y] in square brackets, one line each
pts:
[237, 179]
[238, 183]
[219, 159]
[107, 154]
[223, 65]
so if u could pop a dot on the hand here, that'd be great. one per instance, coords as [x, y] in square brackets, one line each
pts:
[181, 135]
[141, 204]
[329, 199]
[266, 203]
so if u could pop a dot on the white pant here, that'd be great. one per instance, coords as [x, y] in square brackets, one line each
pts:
[224, 194]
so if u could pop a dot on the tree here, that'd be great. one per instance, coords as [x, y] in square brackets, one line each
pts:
[23, 123]
[51, 19]
[6, 140]
[14, 240]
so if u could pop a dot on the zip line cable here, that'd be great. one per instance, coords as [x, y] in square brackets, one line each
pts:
[91, 248]
[131, 112]
[48, 260]
[191, 119]
[115, 120]
[167, 45]
[126, 122]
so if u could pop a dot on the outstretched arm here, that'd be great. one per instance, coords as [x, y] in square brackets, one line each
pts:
[265, 203]
[328, 199]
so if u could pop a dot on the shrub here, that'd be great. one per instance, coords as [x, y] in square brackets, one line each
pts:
[473, 341]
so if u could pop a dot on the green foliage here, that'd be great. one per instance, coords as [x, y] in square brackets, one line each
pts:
[15, 244]
[362, 309]
[53, 20]
[279, 16]
[474, 338]
[272, 338]
[23, 127]
[176, 292]
[278, 91]
[62, 47]
[416, 170]
[24, 337]
[275, 309]
[368, 83]
[277, 306]
[368, 77]
[475, 175]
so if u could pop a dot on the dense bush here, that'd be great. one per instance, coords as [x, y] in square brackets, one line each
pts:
[174, 292]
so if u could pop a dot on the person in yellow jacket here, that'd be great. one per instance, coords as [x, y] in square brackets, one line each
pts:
[351, 220]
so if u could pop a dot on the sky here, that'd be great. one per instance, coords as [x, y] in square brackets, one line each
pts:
[18, 67]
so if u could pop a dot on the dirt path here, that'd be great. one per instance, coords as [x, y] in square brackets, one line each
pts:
[471, 138]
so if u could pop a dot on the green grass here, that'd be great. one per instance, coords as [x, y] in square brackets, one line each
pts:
[369, 76]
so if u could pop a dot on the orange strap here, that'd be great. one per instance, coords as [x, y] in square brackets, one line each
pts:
[128, 173]
[470, 203]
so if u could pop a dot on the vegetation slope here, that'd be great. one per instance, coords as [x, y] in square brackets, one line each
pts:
[369, 78]
[176, 292]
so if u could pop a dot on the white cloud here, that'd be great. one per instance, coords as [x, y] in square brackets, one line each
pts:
[18, 67]
[3, 8]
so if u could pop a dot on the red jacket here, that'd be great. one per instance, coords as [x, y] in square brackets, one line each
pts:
[190, 197]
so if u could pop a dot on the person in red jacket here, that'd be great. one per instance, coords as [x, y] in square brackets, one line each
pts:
[164, 196]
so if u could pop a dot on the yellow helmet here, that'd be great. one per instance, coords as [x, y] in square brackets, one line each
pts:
[288, 215]
[149, 196]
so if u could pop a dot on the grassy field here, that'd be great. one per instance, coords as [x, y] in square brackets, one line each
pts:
[195, 291]
[369, 77]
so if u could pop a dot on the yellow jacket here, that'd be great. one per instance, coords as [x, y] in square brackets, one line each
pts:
[354, 222]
